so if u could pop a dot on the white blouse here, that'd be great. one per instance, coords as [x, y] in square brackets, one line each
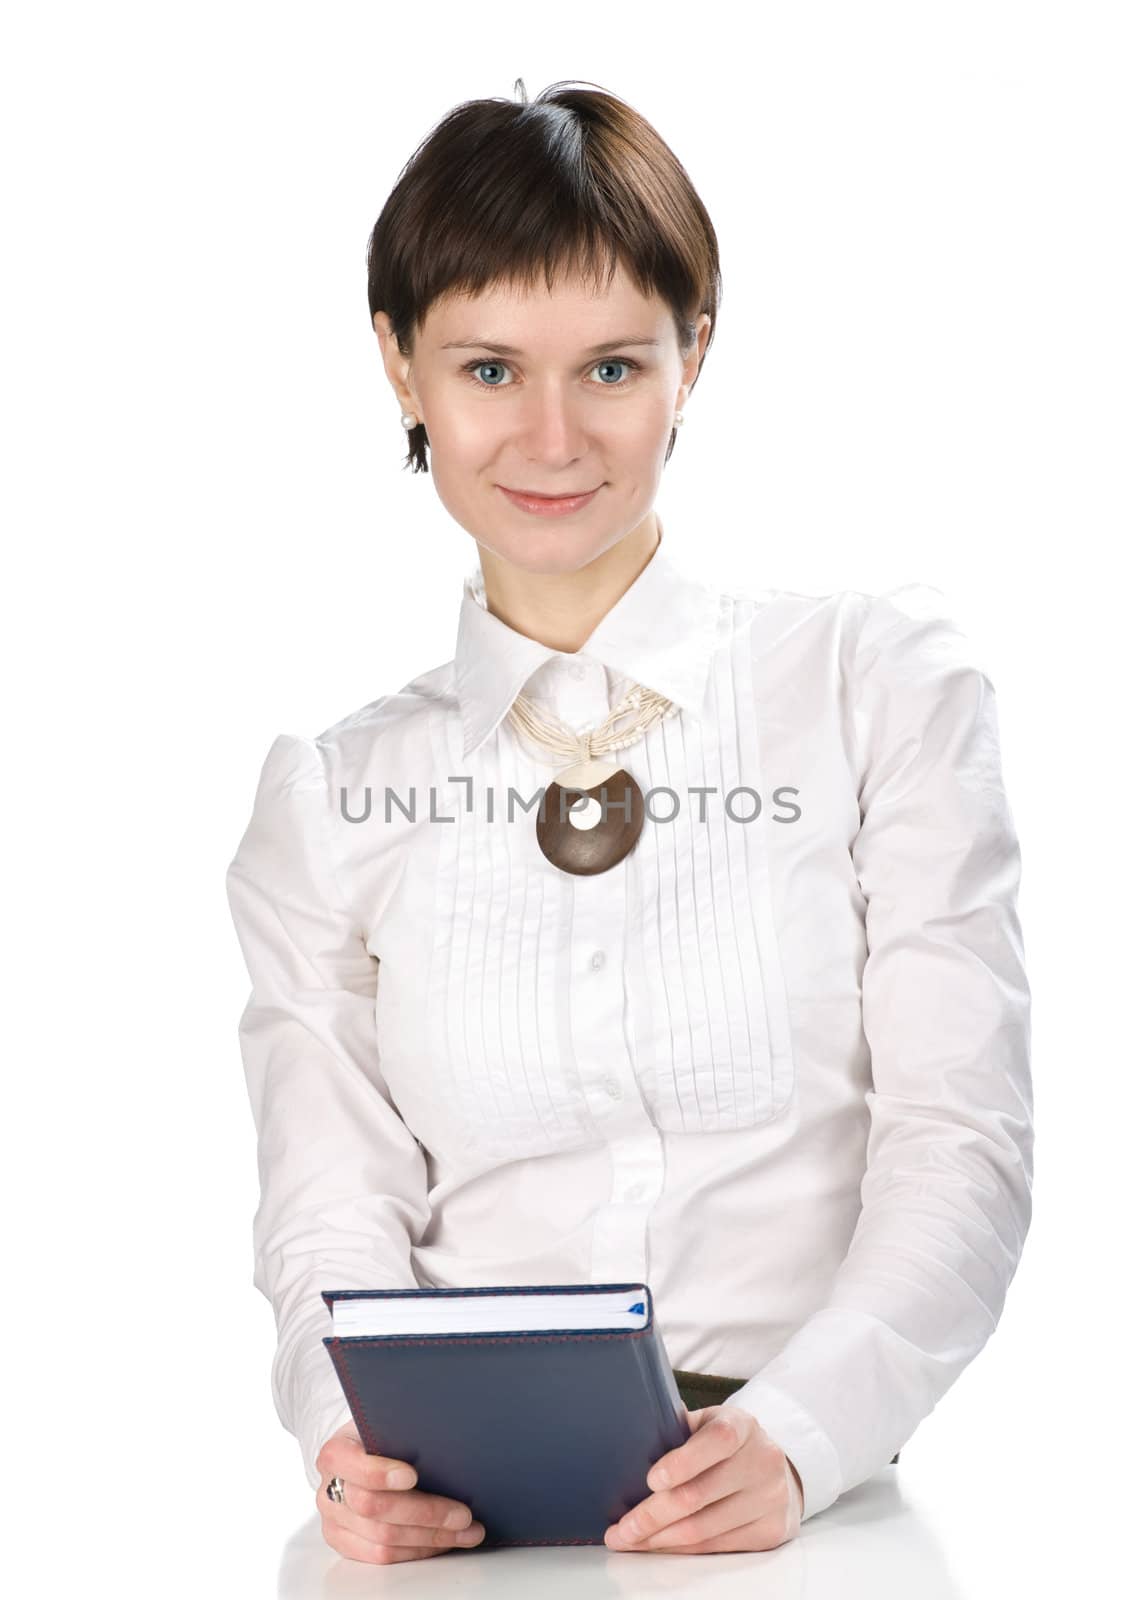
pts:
[774, 1063]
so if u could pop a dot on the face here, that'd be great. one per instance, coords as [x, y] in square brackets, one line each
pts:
[556, 393]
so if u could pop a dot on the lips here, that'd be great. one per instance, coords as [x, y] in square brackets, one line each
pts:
[542, 494]
[548, 505]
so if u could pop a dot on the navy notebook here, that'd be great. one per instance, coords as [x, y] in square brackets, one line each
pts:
[541, 1408]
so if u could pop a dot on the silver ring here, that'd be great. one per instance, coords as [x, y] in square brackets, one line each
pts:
[335, 1491]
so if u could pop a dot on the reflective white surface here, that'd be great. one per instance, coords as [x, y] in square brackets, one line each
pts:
[1007, 1490]
[884, 1539]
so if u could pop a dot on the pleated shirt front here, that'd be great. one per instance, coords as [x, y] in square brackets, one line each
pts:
[775, 1062]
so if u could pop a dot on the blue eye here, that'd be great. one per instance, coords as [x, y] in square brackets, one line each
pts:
[612, 361]
[471, 368]
[476, 365]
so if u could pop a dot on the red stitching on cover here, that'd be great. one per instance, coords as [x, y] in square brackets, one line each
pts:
[340, 1347]
[369, 1436]
[502, 1544]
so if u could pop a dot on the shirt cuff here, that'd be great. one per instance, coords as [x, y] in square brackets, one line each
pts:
[800, 1438]
[314, 1431]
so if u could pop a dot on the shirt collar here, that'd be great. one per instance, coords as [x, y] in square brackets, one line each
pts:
[659, 633]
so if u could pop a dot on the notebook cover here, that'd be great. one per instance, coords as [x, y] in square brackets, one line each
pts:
[547, 1436]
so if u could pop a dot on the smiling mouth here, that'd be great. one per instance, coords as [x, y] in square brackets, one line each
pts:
[537, 494]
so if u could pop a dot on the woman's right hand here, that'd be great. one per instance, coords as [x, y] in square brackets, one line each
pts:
[379, 1521]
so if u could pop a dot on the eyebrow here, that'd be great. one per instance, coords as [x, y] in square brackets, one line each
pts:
[511, 350]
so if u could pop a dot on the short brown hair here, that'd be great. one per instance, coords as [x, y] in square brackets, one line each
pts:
[500, 189]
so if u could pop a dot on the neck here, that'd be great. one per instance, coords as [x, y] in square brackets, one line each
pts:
[562, 609]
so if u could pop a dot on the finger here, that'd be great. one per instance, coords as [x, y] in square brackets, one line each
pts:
[407, 1507]
[344, 1457]
[715, 1440]
[766, 1533]
[717, 1520]
[403, 1536]
[401, 1526]
[693, 1486]
[357, 1548]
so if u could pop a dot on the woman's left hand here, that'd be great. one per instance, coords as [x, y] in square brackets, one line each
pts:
[729, 1488]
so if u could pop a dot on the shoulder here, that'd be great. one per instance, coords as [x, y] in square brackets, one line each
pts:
[918, 635]
[374, 738]
[797, 624]
[866, 626]
[922, 692]
[387, 731]
[903, 647]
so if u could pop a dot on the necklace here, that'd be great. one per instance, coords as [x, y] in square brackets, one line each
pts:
[593, 811]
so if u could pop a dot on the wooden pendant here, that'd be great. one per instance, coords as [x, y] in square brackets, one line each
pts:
[574, 834]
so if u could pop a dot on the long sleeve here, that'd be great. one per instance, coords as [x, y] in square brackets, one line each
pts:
[343, 1189]
[946, 1196]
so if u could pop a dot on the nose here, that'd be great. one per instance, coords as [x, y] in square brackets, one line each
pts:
[552, 426]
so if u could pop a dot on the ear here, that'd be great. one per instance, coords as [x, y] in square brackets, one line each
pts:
[693, 360]
[397, 366]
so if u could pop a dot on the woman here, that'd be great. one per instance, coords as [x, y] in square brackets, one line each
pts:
[753, 1026]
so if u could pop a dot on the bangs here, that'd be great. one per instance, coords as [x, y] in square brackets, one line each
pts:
[573, 184]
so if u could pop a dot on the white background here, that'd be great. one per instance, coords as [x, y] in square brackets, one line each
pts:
[921, 372]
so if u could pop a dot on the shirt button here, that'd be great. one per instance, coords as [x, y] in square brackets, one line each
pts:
[613, 1088]
[636, 1191]
[576, 670]
[598, 959]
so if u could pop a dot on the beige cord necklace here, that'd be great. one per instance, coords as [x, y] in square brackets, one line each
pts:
[592, 813]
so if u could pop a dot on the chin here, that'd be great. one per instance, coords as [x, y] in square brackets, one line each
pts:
[547, 556]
